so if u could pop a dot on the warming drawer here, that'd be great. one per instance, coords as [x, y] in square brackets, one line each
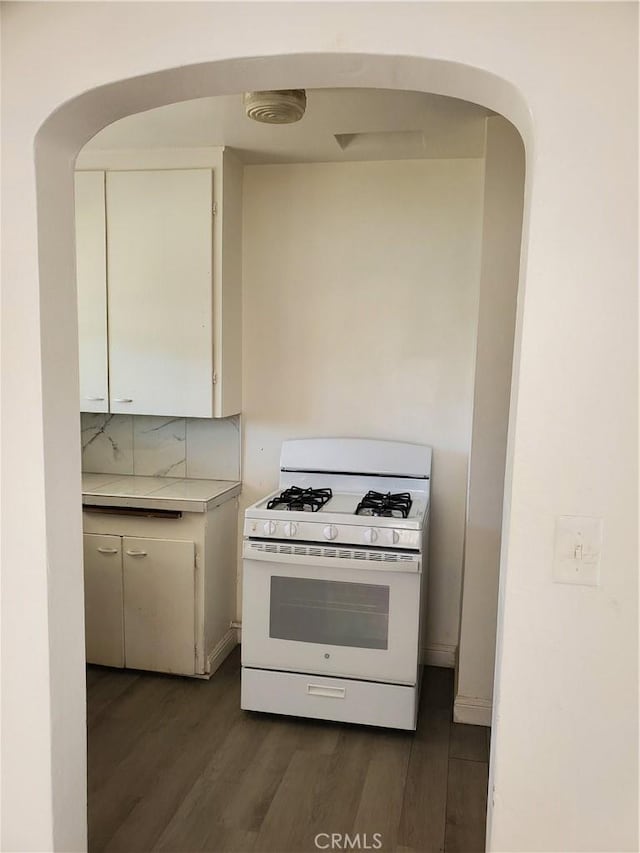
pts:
[342, 699]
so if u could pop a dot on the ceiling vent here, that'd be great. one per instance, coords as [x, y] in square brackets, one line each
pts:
[282, 106]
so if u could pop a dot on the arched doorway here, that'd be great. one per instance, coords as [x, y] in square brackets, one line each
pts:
[57, 142]
[402, 243]
[136, 95]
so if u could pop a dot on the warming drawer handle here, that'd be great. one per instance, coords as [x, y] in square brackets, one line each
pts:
[137, 553]
[108, 550]
[325, 690]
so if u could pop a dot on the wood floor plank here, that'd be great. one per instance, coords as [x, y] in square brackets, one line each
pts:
[225, 840]
[304, 734]
[236, 787]
[339, 792]
[119, 730]
[169, 776]
[149, 706]
[176, 766]
[469, 742]
[215, 839]
[128, 758]
[94, 675]
[287, 826]
[204, 806]
[423, 821]
[380, 806]
[437, 687]
[436, 697]
[249, 798]
[104, 687]
[466, 806]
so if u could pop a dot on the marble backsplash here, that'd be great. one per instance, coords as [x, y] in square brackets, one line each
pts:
[153, 446]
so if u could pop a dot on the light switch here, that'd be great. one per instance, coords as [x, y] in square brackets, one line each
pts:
[578, 542]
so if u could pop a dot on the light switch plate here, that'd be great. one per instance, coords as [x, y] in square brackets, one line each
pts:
[578, 543]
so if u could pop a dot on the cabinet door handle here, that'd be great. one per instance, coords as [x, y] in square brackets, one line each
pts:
[137, 553]
[123, 400]
[108, 550]
[95, 399]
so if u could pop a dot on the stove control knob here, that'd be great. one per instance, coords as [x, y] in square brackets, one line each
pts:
[270, 527]
[290, 529]
[370, 535]
[395, 537]
[330, 531]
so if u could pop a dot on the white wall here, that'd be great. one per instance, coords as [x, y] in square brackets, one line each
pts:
[360, 309]
[501, 238]
[564, 747]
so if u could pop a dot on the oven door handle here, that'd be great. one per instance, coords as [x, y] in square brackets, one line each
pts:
[327, 691]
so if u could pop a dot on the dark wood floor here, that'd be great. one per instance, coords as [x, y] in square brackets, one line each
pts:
[175, 765]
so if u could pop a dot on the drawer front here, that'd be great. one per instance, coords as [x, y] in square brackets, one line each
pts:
[341, 699]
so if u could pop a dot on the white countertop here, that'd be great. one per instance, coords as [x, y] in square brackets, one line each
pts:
[156, 492]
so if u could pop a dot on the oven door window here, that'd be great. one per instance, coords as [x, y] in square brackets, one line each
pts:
[329, 612]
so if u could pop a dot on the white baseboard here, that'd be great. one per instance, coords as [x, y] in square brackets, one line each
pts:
[471, 710]
[440, 654]
[222, 650]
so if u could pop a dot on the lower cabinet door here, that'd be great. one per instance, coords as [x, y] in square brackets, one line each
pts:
[104, 638]
[159, 604]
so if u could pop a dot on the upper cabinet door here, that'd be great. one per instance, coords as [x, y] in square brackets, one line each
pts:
[91, 272]
[159, 251]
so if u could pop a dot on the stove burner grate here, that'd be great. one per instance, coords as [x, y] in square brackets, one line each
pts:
[304, 500]
[391, 506]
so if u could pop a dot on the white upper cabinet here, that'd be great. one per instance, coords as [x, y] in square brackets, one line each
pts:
[91, 272]
[159, 257]
[169, 307]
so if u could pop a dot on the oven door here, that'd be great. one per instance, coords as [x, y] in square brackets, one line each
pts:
[327, 617]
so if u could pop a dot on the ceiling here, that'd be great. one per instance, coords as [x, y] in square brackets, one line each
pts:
[340, 125]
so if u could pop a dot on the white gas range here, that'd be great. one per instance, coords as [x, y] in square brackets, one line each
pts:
[334, 583]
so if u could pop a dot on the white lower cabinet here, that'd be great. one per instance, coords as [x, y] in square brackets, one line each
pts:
[104, 635]
[160, 591]
[159, 604]
[140, 603]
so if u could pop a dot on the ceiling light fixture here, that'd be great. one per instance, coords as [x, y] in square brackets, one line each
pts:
[277, 106]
